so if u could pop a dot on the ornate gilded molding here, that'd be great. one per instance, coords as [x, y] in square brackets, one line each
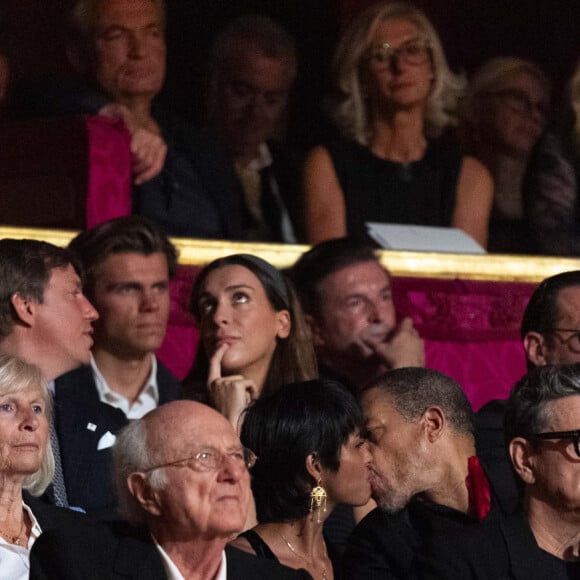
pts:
[493, 267]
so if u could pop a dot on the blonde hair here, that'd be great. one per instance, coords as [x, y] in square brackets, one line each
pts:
[488, 78]
[16, 376]
[349, 110]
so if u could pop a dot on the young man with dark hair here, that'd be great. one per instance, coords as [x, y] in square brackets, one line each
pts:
[128, 263]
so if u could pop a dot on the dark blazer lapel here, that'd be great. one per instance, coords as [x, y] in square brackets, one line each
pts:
[168, 384]
[81, 421]
[137, 558]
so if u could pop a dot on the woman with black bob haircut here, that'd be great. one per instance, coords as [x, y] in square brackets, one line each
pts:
[312, 457]
[253, 336]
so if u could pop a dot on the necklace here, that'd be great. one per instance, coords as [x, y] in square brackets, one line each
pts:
[14, 539]
[303, 557]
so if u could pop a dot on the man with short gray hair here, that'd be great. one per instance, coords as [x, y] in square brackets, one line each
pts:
[425, 475]
[252, 70]
[183, 483]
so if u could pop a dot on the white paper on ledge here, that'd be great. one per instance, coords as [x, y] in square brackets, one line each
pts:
[423, 238]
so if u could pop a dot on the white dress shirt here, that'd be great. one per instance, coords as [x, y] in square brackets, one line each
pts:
[147, 400]
[15, 560]
[173, 572]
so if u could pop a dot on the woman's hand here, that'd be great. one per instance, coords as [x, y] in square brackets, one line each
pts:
[231, 394]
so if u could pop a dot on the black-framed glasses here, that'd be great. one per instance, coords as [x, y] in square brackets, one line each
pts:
[520, 102]
[211, 460]
[413, 52]
[574, 436]
[572, 342]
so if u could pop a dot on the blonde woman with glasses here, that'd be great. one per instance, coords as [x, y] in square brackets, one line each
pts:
[395, 99]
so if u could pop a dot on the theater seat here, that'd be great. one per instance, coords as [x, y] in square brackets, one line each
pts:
[64, 172]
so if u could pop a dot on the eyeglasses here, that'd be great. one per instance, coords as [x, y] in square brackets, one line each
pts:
[212, 460]
[520, 102]
[574, 436]
[572, 342]
[414, 52]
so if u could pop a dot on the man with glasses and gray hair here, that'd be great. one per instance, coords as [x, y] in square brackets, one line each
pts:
[542, 423]
[184, 488]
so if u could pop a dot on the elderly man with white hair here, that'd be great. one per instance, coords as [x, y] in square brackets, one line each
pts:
[184, 487]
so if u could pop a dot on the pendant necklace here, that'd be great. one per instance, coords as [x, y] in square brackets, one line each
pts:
[303, 557]
[13, 539]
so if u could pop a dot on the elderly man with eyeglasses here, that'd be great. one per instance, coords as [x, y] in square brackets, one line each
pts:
[542, 429]
[183, 484]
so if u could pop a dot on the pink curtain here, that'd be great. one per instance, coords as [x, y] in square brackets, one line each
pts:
[471, 329]
[109, 179]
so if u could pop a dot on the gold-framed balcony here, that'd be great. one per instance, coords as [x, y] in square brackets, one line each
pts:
[489, 267]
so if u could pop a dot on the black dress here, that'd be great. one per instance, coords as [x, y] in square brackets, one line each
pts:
[419, 193]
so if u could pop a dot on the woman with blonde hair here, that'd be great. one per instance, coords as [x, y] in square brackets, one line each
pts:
[396, 96]
[26, 465]
[502, 118]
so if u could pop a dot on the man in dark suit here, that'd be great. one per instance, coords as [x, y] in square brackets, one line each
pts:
[128, 263]
[252, 71]
[184, 487]
[425, 475]
[541, 425]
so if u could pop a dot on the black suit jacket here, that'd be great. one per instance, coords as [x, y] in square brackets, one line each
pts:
[50, 516]
[495, 550]
[81, 420]
[117, 551]
[386, 546]
[287, 168]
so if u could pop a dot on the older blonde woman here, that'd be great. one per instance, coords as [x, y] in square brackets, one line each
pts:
[26, 465]
[396, 96]
[502, 118]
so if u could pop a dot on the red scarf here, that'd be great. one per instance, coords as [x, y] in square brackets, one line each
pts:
[477, 489]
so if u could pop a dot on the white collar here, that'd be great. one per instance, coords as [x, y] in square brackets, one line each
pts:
[147, 400]
[173, 572]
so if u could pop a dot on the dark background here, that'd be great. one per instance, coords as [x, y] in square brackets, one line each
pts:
[546, 31]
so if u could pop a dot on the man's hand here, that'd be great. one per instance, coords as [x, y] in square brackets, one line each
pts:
[148, 147]
[230, 395]
[404, 349]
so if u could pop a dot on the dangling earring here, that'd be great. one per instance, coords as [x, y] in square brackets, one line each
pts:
[318, 500]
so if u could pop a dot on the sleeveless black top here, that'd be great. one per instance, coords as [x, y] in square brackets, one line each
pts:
[420, 193]
[259, 546]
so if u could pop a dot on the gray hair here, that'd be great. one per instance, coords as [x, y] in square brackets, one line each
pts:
[528, 406]
[349, 110]
[17, 376]
[488, 78]
[413, 390]
[131, 454]
[256, 30]
[83, 21]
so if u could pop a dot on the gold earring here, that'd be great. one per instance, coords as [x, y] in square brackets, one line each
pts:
[318, 500]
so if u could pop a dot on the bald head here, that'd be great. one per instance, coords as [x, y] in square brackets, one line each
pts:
[159, 453]
[172, 429]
